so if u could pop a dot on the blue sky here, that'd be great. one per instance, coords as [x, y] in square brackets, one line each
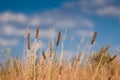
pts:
[80, 18]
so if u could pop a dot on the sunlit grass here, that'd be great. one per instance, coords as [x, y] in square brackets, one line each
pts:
[102, 65]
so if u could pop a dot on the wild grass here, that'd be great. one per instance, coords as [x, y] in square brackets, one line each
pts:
[49, 66]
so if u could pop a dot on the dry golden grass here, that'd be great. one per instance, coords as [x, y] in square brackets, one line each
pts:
[104, 67]
[45, 71]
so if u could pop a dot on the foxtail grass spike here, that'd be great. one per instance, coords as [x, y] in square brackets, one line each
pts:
[111, 59]
[44, 56]
[58, 39]
[79, 56]
[28, 41]
[108, 46]
[37, 33]
[94, 37]
[101, 50]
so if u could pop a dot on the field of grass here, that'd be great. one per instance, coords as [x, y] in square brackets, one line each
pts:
[51, 66]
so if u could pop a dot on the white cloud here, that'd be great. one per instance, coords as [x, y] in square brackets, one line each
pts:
[12, 17]
[85, 4]
[85, 33]
[117, 49]
[65, 23]
[72, 23]
[87, 23]
[98, 7]
[10, 30]
[94, 3]
[109, 11]
[57, 18]
[10, 42]
[99, 2]
[35, 21]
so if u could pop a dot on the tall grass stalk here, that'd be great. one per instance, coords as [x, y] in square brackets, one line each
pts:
[94, 76]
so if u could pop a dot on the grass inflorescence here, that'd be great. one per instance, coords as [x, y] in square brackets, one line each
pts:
[48, 66]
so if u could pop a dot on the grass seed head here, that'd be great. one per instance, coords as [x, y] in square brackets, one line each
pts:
[108, 46]
[102, 49]
[37, 33]
[44, 56]
[79, 56]
[28, 41]
[94, 37]
[111, 59]
[58, 39]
